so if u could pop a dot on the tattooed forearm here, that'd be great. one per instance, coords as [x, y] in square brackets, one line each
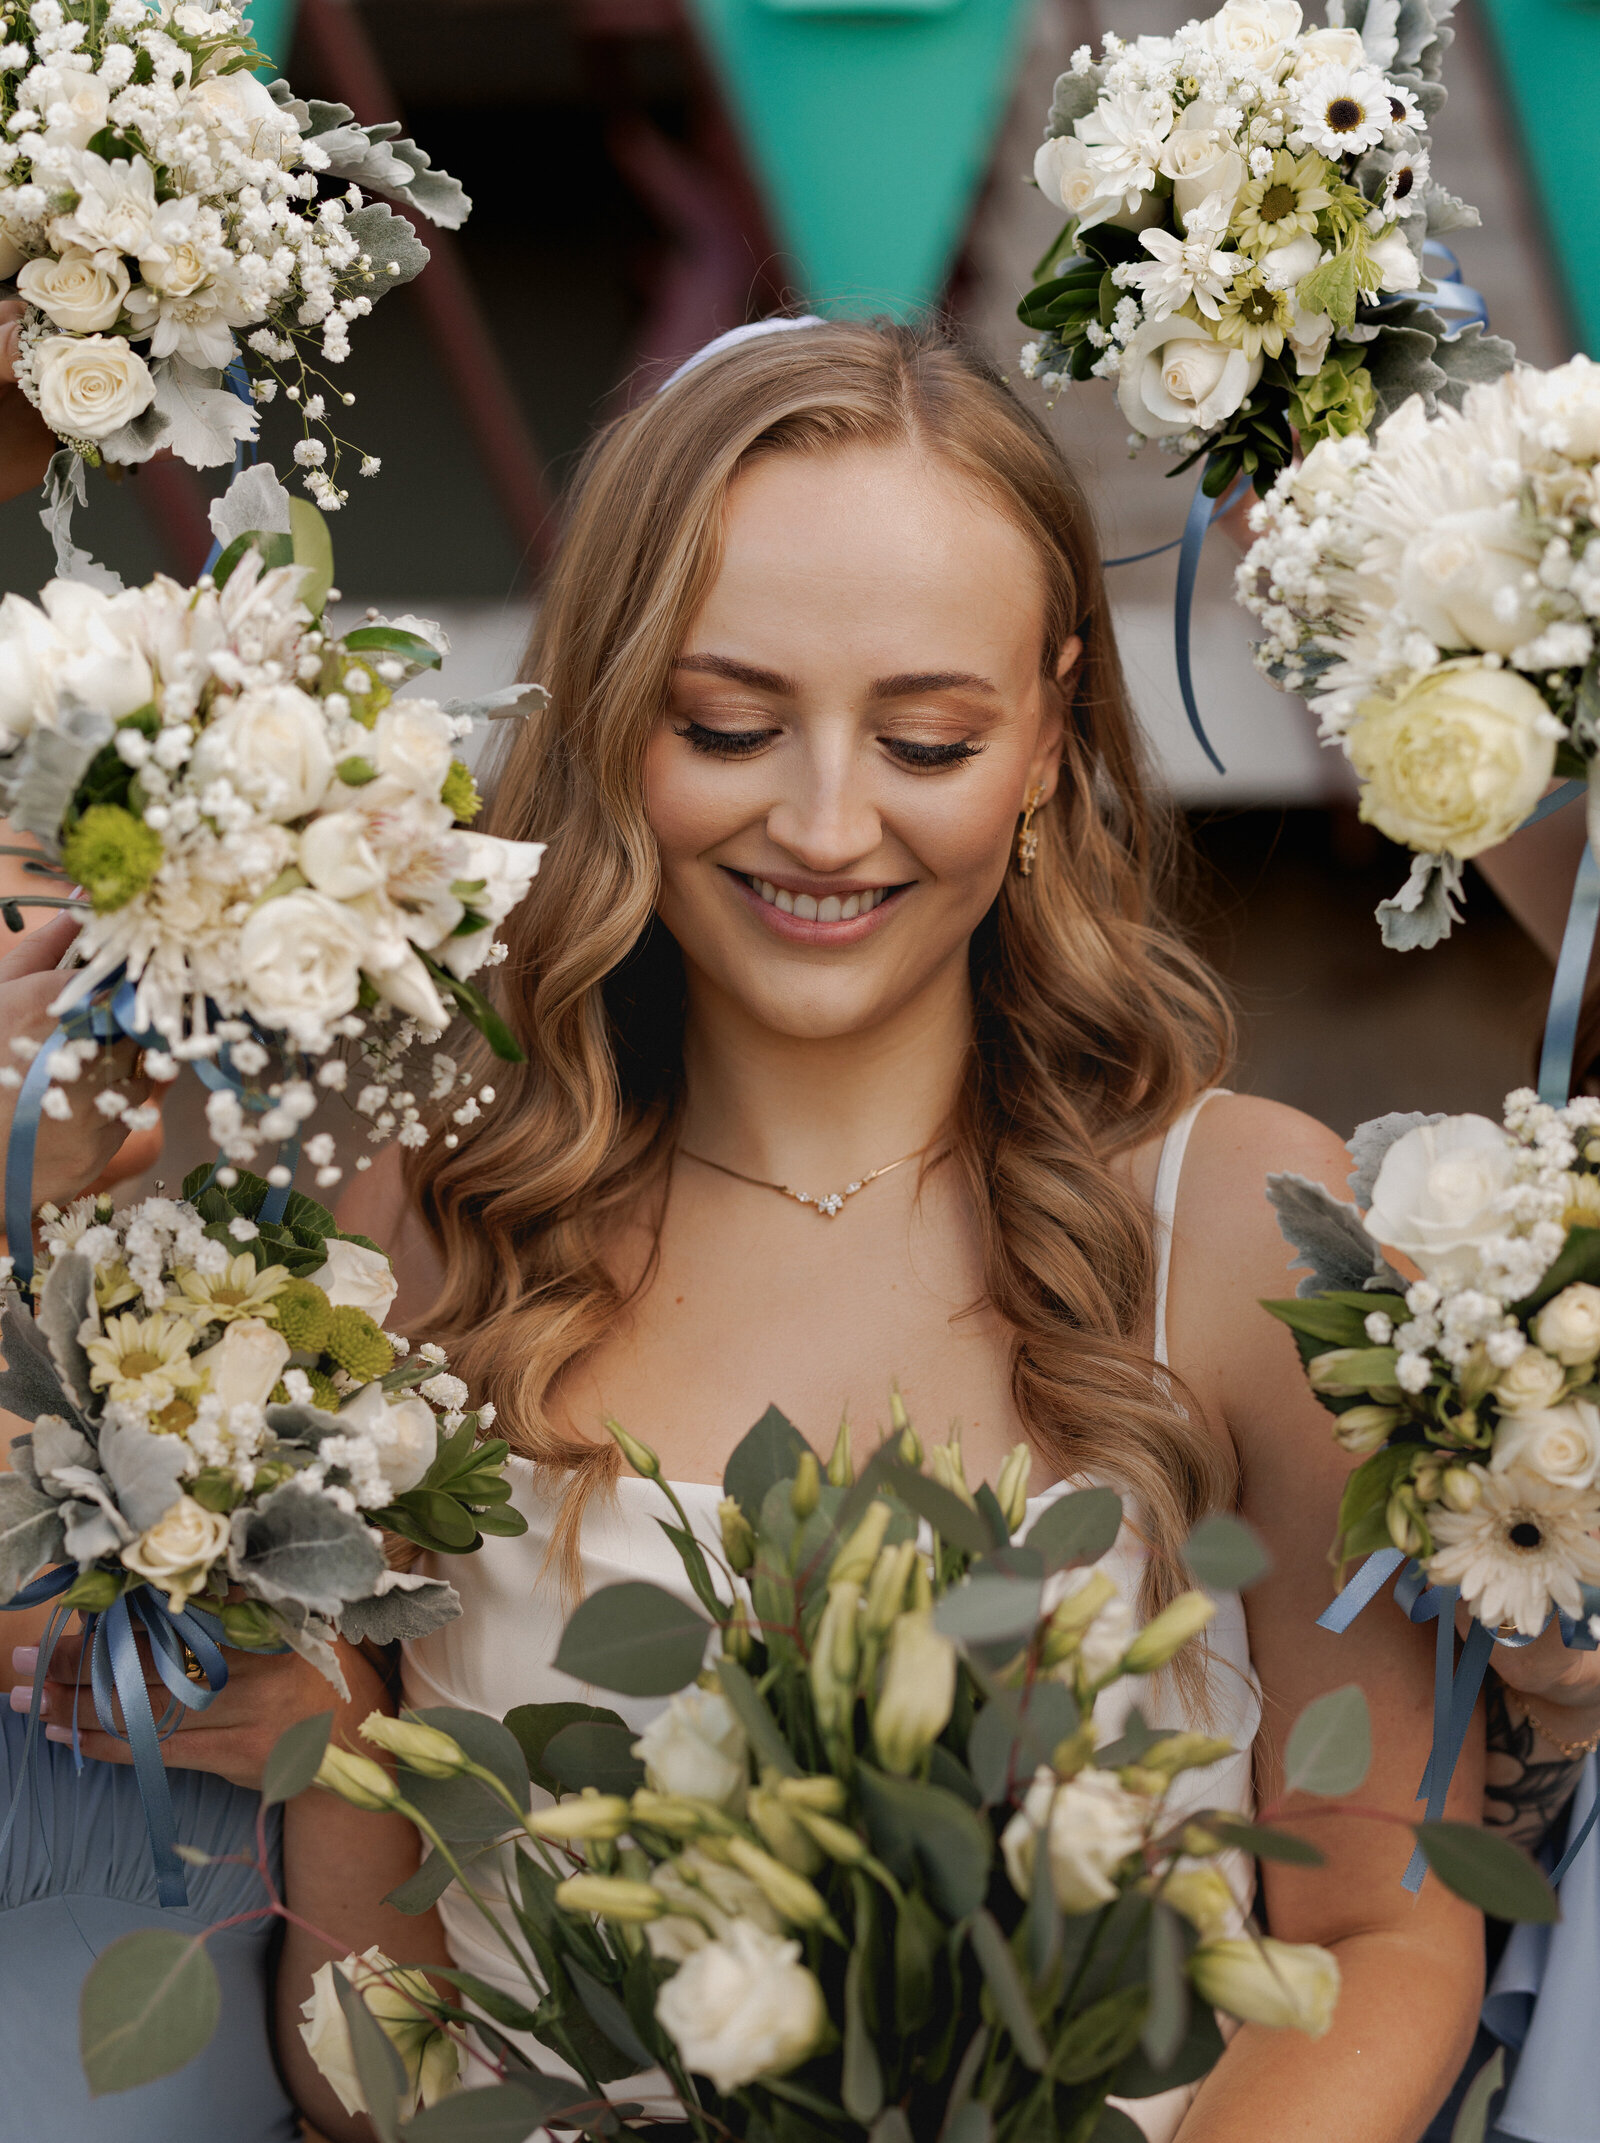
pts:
[1527, 1784]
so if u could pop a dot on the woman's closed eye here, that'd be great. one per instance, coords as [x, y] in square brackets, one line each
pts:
[928, 758]
[723, 743]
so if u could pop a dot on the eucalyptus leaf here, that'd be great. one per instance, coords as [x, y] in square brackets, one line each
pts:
[149, 2004]
[1005, 1987]
[591, 1754]
[609, 2014]
[1167, 2020]
[1489, 1872]
[987, 1609]
[761, 1730]
[1472, 2117]
[422, 1891]
[1225, 1554]
[637, 1639]
[1101, 2036]
[1263, 1842]
[294, 1759]
[378, 2066]
[499, 2113]
[921, 1830]
[954, 1521]
[1011, 1737]
[891, 2126]
[465, 1808]
[1078, 1528]
[1329, 1750]
[971, 2123]
[534, 1726]
[861, 2074]
[769, 1452]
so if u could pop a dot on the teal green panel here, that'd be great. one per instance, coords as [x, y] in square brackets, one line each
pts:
[272, 26]
[869, 133]
[1550, 52]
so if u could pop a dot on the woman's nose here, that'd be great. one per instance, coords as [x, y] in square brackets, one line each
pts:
[829, 822]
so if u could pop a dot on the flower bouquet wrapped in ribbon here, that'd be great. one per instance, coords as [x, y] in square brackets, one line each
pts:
[897, 1859]
[158, 200]
[1247, 206]
[1433, 594]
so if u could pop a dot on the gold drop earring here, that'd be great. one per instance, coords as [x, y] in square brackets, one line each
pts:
[1027, 839]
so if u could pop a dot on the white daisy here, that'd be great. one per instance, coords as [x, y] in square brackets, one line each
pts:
[1344, 111]
[1524, 1547]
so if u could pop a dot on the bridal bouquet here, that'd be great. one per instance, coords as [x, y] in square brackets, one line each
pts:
[275, 850]
[1473, 1394]
[219, 1418]
[1433, 594]
[157, 200]
[1247, 202]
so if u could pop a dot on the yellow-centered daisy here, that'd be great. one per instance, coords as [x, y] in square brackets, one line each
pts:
[241, 1290]
[1284, 202]
[1254, 317]
[143, 1360]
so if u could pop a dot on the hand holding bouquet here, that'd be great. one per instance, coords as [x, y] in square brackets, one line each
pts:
[1247, 202]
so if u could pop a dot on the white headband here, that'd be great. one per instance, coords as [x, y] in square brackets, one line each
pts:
[734, 337]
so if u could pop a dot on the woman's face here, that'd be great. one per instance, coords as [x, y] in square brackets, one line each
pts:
[854, 723]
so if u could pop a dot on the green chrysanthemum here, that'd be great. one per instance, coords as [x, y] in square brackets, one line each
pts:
[355, 1343]
[112, 855]
[460, 794]
[302, 1313]
[323, 1391]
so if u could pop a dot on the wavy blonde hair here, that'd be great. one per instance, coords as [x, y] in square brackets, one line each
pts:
[1095, 1026]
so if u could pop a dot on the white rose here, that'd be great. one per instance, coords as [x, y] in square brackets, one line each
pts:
[1569, 1324]
[245, 1363]
[706, 1898]
[1442, 1190]
[1092, 1823]
[1562, 1444]
[696, 1747]
[1264, 1981]
[1064, 174]
[390, 962]
[427, 2052]
[1252, 33]
[300, 965]
[76, 292]
[241, 106]
[404, 1433]
[1471, 580]
[272, 744]
[1308, 337]
[506, 870]
[75, 110]
[337, 857]
[89, 386]
[414, 746]
[1531, 1383]
[172, 260]
[1398, 266]
[1200, 160]
[1454, 763]
[743, 2007]
[1327, 48]
[358, 1278]
[176, 1553]
[1285, 265]
[99, 662]
[1176, 377]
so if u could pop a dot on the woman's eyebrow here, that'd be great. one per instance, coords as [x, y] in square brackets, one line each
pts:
[912, 682]
[740, 673]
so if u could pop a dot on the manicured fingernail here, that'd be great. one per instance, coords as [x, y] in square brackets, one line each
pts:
[24, 1658]
[58, 1733]
[21, 1696]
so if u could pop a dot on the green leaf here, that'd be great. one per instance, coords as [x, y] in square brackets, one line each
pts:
[695, 1567]
[1321, 1317]
[1115, 2126]
[918, 1945]
[1472, 2119]
[500, 2113]
[295, 1756]
[1362, 1525]
[422, 1891]
[313, 549]
[891, 2126]
[637, 1639]
[1101, 2036]
[921, 1830]
[493, 2001]
[861, 2078]
[1167, 2021]
[1136, 1738]
[1579, 1260]
[1262, 1842]
[1197, 2056]
[1010, 1739]
[275, 549]
[1330, 1745]
[465, 1807]
[1077, 1528]
[1488, 1872]
[971, 2123]
[477, 1008]
[611, 2017]
[770, 1452]
[379, 2069]
[150, 2003]
[1005, 1985]
[391, 640]
[954, 1521]
[986, 1609]
[590, 1753]
[1225, 1554]
[761, 1730]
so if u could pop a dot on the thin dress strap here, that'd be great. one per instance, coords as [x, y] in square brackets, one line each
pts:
[1164, 1204]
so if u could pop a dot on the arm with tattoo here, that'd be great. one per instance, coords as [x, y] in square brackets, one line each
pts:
[1527, 1781]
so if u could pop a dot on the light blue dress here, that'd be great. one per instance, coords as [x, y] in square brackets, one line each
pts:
[76, 1874]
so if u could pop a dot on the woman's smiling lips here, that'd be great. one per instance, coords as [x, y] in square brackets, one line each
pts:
[812, 914]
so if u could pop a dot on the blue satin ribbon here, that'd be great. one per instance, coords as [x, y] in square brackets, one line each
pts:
[239, 380]
[1451, 296]
[116, 1671]
[1572, 973]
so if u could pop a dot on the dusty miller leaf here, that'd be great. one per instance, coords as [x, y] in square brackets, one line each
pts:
[1324, 1234]
[297, 1546]
[1076, 95]
[51, 765]
[254, 500]
[390, 243]
[1424, 910]
[30, 1532]
[412, 1606]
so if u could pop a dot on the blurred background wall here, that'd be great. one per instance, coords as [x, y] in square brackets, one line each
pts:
[649, 172]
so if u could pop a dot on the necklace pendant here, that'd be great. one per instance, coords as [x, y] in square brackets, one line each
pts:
[831, 1204]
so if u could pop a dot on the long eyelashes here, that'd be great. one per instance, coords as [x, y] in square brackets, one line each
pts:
[741, 743]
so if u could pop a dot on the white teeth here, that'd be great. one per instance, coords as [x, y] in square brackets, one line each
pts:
[785, 901]
[831, 909]
[769, 893]
[805, 908]
[851, 908]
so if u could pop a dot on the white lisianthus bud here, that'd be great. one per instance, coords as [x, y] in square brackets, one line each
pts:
[783, 1833]
[1091, 1823]
[743, 2006]
[1362, 1429]
[399, 2001]
[591, 1815]
[611, 1897]
[1011, 1490]
[886, 1589]
[1091, 1624]
[639, 1456]
[1533, 1381]
[88, 386]
[705, 1897]
[835, 1657]
[1569, 1326]
[918, 1693]
[1166, 1635]
[786, 1891]
[354, 1277]
[356, 1779]
[696, 1747]
[1562, 1444]
[853, 1563]
[1203, 1897]
[1460, 1488]
[177, 1552]
[1269, 1982]
[423, 1749]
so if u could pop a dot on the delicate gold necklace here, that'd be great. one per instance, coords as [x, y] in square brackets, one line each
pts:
[827, 1204]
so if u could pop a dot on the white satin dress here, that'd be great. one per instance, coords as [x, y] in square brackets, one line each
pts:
[499, 1652]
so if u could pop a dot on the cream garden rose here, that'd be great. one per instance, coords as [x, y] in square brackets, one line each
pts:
[1175, 377]
[1562, 1443]
[89, 386]
[403, 1430]
[78, 293]
[1328, 48]
[1569, 1325]
[1456, 762]
[1064, 173]
[358, 1278]
[1200, 160]
[245, 1364]
[1441, 1191]
[300, 964]
[742, 2007]
[1264, 1981]
[1531, 1383]
[1253, 33]
[272, 745]
[176, 1553]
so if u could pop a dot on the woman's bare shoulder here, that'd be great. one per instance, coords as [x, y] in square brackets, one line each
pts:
[378, 1205]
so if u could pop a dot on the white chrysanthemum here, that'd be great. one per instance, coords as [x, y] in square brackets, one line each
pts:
[1526, 1546]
